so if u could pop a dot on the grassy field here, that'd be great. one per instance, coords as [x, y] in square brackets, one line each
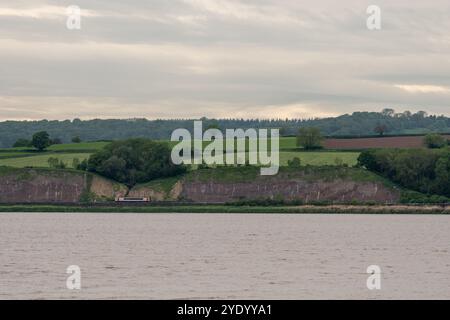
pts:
[24, 157]
[27, 157]
[84, 146]
[320, 158]
[6, 155]
[42, 160]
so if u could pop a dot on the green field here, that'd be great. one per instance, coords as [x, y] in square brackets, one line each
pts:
[320, 158]
[6, 155]
[24, 157]
[42, 160]
[83, 146]
[27, 157]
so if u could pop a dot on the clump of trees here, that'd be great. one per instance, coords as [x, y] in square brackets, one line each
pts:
[76, 139]
[134, 161]
[434, 141]
[22, 143]
[422, 170]
[309, 138]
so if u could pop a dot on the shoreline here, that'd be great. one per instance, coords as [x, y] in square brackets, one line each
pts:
[303, 209]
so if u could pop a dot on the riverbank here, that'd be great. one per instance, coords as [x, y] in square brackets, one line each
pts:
[306, 209]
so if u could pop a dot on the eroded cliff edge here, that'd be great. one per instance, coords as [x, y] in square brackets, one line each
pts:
[306, 184]
[309, 185]
[55, 186]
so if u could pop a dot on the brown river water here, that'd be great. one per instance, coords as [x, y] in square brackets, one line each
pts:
[223, 256]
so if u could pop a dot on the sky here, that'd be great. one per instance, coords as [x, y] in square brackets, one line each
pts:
[222, 58]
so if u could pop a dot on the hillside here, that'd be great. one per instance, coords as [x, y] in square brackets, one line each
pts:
[355, 124]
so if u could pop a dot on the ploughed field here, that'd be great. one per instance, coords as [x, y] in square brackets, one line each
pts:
[376, 142]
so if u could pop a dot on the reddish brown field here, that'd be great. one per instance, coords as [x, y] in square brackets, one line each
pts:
[376, 142]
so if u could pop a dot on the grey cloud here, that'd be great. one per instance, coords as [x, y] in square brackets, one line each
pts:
[215, 58]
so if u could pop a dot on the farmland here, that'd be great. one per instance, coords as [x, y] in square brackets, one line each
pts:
[41, 161]
[337, 151]
[25, 157]
[28, 157]
[376, 142]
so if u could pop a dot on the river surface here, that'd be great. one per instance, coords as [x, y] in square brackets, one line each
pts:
[226, 256]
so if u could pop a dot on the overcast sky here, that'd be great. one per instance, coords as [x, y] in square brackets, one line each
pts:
[222, 58]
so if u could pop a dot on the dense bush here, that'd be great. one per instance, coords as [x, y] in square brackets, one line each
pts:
[423, 170]
[411, 197]
[294, 163]
[434, 141]
[133, 161]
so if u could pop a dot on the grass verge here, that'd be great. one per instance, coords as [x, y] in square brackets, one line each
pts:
[335, 209]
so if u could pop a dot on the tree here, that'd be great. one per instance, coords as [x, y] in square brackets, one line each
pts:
[55, 163]
[387, 112]
[76, 139]
[434, 141]
[41, 140]
[380, 129]
[83, 165]
[368, 160]
[75, 163]
[309, 138]
[442, 173]
[134, 161]
[20, 143]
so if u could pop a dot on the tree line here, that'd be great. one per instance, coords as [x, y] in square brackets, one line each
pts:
[356, 124]
[423, 170]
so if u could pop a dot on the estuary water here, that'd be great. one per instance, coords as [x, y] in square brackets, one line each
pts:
[226, 256]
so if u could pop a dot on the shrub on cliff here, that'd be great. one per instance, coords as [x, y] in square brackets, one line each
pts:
[294, 163]
[134, 161]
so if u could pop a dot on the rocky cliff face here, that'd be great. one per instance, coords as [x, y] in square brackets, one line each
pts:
[342, 185]
[336, 185]
[59, 186]
[338, 191]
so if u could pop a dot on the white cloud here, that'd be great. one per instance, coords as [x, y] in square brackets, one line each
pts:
[423, 88]
[43, 12]
[243, 11]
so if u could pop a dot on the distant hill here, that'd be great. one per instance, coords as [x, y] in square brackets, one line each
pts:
[356, 124]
